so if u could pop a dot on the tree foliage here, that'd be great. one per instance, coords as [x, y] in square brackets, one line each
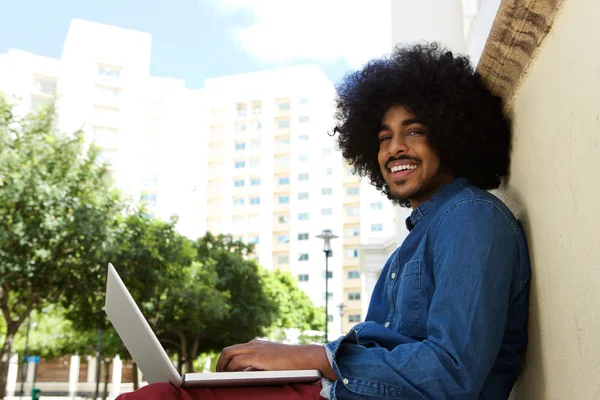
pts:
[57, 208]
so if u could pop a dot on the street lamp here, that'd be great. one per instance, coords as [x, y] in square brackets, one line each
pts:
[326, 235]
[341, 306]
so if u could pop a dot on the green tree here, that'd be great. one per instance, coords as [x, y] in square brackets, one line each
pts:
[294, 308]
[223, 303]
[186, 308]
[57, 208]
[150, 256]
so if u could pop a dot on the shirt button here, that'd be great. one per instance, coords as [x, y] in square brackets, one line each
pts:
[387, 324]
[393, 275]
[346, 381]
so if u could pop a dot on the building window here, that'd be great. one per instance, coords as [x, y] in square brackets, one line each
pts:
[238, 202]
[302, 216]
[326, 191]
[303, 236]
[284, 180]
[238, 221]
[303, 176]
[255, 144]
[353, 211]
[149, 198]
[255, 181]
[303, 157]
[239, 183]
[240, 127]
[329, 274]
[352, 253]
[326, 212]
[303, 277]
[284, 106]
[303, 257]
[376, 206]
[354, 318]
[255, 162]
[254, 201]
[103, 114]
[303, 138]
[46, 86]
[256, 107]
[376, 227]
[283, 123]
[283, 161]
[353, 232]
[352, 191]
[109, 74]
[282, 239]
[329, 171]
[304, 101]
[106, 94]
[104, 136]
[109, 158]
[254, 239]
[326, 151]
[284, 141]
[240, 164]
[350, 171]
[303, 196]
[149, 179]
[284, 200]
[353, 274]
[240, 109]
[240, 145]
[283, 259]
[284, 219]
[256, 125]
[303, 119]
[37, 103]
[353, 295]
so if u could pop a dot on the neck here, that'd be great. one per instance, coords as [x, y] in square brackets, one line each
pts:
[443, 180]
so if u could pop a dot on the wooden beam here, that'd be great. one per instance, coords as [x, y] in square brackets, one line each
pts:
[519, 28]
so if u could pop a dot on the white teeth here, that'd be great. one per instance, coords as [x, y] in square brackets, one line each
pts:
[402, 167]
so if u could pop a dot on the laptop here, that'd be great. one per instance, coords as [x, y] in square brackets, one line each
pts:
[153, 361]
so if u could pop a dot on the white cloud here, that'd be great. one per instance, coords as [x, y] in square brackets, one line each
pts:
[321, 30]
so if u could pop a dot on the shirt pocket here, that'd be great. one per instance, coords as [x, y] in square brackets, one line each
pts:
[408, 300]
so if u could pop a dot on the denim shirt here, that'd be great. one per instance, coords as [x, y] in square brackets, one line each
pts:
[448, 315]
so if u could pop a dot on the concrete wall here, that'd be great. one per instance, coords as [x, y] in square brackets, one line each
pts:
[555, 173]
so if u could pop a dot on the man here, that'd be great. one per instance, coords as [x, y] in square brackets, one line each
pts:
[448, 315]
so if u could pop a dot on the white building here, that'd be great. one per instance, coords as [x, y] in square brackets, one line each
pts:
[275, 179]
[145, 126]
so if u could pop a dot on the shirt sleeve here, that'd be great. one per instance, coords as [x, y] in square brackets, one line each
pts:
[475, 254]
[326, 383]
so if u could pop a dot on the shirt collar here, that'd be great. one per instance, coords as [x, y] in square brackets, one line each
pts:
[438, 198]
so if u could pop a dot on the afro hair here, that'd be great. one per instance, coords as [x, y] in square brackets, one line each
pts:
[466, 123]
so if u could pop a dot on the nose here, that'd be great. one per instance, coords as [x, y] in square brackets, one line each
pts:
[397, 145]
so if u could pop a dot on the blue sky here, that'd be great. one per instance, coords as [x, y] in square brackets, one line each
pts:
[198, 39]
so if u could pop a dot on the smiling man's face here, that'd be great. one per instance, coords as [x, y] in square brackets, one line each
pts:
[409, 164]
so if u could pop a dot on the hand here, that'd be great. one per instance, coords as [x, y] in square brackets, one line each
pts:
[271, 356]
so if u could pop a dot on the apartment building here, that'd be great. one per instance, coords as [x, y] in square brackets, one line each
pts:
[144, 125]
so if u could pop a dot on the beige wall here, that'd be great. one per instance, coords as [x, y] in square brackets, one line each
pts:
[556, 175]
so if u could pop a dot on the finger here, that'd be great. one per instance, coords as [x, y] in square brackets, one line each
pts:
[226, 355]
[230, 352]
[240, 363]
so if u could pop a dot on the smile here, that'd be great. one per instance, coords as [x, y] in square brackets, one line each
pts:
[397, 168]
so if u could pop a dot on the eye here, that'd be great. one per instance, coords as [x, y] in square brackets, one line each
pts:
[384, 138]
[414, 132]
